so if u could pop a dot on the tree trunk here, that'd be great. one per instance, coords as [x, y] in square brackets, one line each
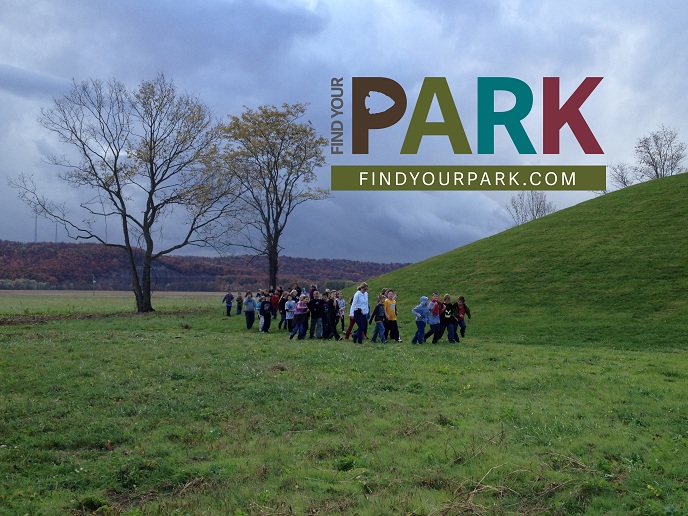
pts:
[142, 290]
[135, 282]
[273, 265]
[141, 285]
[146, 305]
[138, 293]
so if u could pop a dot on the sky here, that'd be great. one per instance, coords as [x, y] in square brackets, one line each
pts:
[233, 54]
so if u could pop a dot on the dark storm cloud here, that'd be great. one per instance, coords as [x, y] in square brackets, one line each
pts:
[248, 53]
[26, 83]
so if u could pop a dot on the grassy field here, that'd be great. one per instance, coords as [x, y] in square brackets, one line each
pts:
[15, 303]
[568, 395]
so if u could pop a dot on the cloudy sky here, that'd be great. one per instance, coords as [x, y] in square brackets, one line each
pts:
[249, 53]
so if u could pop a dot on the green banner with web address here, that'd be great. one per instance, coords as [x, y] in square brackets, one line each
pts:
[469, 177]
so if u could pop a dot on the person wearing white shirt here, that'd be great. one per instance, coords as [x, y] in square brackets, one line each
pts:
[359, 311]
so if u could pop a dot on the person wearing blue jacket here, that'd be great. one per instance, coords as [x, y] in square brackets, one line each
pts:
[249, 310]
[228, 300]
[422, 313]
[434, 305]
[378, 317]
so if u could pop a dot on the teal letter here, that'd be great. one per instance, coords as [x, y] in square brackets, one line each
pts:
[511, 120]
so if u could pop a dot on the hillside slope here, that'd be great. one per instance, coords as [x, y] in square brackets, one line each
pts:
[612, 270]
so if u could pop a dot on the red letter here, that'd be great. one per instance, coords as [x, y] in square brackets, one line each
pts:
[554, 117]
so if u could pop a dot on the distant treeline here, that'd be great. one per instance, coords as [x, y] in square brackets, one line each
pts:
[67, 266]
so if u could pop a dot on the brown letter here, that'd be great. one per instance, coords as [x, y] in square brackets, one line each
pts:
[361, 118]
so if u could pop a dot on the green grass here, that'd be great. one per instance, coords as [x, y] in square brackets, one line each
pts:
[612, 271]
[206, 418]
[69, 302]
[568, 395]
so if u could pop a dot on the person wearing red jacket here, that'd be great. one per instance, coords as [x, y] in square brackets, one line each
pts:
[435, 306]
[464, 312]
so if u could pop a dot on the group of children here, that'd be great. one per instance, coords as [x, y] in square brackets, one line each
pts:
[229, 299]
[384, 316]
[297, 307]
[440, 316]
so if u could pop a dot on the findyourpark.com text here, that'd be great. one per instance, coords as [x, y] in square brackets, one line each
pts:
[468, 178]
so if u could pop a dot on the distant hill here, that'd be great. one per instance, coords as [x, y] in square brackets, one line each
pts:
[610, 271]
[86, 266]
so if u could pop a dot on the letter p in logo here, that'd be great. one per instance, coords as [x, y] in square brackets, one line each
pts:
[362, 120]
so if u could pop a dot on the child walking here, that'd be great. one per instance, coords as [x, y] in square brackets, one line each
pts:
[249, 310]
[289, 312]
[300, 317]
[434, 318]
[266, 314]
[448, 320]
[341, 305]
[391, 325]
[422, 313]
[240, 304]
[464, 312]
[378, 316]
[228, 300]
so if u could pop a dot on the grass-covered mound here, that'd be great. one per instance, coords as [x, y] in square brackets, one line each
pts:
[611, 271]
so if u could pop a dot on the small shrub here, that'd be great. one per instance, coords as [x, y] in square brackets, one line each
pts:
[92, 503]
[345, 463]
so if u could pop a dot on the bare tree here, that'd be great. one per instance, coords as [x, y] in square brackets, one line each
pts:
[144, 154]
[659, 154]
[529, 205]
[274, 156]
[622, 175]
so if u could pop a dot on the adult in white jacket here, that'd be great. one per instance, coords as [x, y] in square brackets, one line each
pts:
[359, 311]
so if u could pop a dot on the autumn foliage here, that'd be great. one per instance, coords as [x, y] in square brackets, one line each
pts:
[95, 266]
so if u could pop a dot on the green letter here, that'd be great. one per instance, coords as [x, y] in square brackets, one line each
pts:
[419, 126]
